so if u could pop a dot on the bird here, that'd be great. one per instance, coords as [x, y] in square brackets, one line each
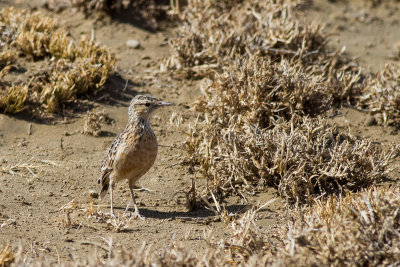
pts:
[134, 151]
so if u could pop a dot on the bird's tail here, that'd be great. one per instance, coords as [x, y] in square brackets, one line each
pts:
[105, 183]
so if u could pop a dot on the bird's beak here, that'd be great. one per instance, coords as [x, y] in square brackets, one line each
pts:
[166, 104]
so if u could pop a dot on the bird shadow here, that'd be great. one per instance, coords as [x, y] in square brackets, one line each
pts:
[107, 134]
[195, 214]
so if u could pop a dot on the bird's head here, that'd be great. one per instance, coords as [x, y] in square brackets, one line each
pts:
[143, 106]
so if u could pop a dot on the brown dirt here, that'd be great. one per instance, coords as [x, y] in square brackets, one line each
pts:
[66, 163]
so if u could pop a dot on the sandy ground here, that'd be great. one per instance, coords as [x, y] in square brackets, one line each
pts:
[65, 164]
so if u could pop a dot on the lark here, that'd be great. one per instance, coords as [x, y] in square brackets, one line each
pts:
[134, 151]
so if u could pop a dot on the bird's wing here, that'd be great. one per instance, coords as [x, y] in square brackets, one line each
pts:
[126, 143]
[107, 166]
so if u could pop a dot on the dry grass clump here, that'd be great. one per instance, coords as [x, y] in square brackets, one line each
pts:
[6, 58]
[247, 239]
[382, 95]
[92, 6]
[178, 255]
[304, 158]
[215, 33]
[85, 69]
[360, 229]
[266, 72]
[262, 92]
[146, 13]
[71, 69]
[6, 256]
[93, 213]
[28, 32]
[12, 99]
[29, 166]
[93, 121]
[251, 134]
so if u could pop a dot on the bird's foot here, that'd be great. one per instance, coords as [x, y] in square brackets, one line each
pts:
[136, 215]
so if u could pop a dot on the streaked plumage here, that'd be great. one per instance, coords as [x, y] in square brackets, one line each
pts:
[134, 151]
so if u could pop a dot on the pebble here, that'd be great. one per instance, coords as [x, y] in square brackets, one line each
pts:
[133, 43]
[9, 222]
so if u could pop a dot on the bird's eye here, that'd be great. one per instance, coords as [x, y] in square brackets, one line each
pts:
[147, 104]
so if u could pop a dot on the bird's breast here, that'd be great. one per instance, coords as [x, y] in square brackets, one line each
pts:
[137, 156]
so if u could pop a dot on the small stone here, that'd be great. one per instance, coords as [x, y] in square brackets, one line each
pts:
[51, 194]
[93, 193]
[370, 121]
[8, 222]
[133, 43]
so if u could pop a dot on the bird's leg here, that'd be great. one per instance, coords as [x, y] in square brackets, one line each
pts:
[136, 213]
[111, 199]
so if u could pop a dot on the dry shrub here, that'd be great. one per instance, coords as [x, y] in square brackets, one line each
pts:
[67, 210]
[215, 33]
[29, 32]
[304, 158]
[360, 230]
[93, 121]
[267, 71]
[6, 58]
[87, 72]
[251, 134]
[72, 69]
[218, 34]
[12, 99]
[6, 256]
[146, 13]
[87, 6]
[92, 6]
[178, 255]
[262, 92]
[382, 95]
[247, 239]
